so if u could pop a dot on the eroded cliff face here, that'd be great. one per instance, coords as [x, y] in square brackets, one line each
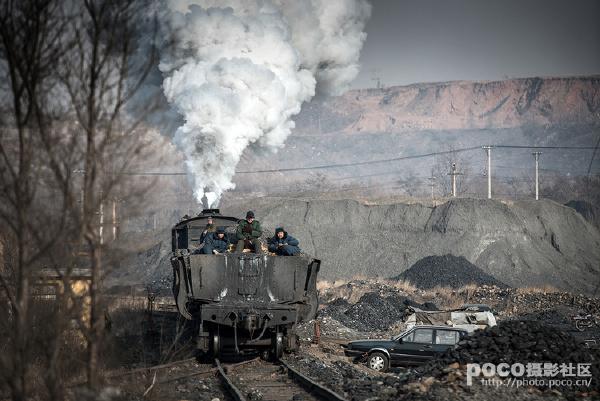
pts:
[457, 105]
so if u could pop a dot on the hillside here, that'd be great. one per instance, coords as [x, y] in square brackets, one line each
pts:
[379, 124]
[525, 243]
[457, 106]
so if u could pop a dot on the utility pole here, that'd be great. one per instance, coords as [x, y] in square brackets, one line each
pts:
[378, 80]
[453, 173]
[432, 185]
[114, 219]
[101, 223]
[488, 150]
[319, 122]
[537, 174]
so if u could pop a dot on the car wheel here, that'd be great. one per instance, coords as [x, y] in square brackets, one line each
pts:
[378, 361]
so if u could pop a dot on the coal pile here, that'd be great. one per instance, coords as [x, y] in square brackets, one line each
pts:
[356, 385]
[373, 311]
[518, 342]
[345, 379]
[589, 212]
[446, 271]
[551, 317]
[146, 268]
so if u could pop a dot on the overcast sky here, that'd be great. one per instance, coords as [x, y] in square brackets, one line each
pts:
[413, 41]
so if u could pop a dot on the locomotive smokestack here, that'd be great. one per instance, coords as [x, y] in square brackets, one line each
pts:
[204, 202]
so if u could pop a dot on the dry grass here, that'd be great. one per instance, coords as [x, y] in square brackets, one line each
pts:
[402, 285]
[444, 297]
[545, 289]
[135, 302]
[324, 285]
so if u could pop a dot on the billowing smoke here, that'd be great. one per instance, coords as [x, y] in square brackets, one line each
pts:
[241, 69]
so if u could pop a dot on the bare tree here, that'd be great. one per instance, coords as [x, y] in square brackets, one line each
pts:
[70, 71]
[101, 76]
[30, 33]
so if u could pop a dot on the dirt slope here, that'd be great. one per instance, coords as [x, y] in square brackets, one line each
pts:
[522, 244]
[458, 105]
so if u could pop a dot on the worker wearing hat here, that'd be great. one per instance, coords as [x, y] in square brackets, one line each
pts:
[283, 244]
[248, 234]
[210, 228]
[215, 243]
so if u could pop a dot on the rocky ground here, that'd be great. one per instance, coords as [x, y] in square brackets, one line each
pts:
[535, 325]
[381, 305]
[538, 278]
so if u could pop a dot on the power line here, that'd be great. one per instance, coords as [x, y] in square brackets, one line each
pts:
[150, 174]
[364, 163]
[541, 169]
[328, 166]
[544, 147]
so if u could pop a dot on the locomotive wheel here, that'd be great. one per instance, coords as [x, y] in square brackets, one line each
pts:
[216, 345]
[278, 346]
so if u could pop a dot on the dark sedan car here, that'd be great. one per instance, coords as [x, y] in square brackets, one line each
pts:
[414, 346]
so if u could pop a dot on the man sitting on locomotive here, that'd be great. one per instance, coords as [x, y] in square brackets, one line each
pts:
[210, 228]
[215, 243]
[283, 244]
[248, 233]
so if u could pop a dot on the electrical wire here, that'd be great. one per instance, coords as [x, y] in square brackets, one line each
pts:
[543, 147]
[328, 166]
[370, 162]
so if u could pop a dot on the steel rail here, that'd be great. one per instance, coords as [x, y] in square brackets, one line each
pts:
[228, 384]
[308, 384]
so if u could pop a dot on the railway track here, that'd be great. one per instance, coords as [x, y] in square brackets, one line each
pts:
[268, 381]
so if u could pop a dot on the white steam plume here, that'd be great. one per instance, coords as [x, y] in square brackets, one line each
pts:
[241, 69]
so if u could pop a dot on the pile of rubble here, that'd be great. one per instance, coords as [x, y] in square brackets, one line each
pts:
[535, 326]
[353, 290]
[447, 271]
[373, 306]
[373, 311]
[512, 342]
[357, 385]
[524, 301]
[521, 341]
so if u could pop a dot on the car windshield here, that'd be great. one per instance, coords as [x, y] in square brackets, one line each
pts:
[397, 337]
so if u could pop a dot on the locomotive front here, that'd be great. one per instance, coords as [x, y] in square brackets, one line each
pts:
[241, 302]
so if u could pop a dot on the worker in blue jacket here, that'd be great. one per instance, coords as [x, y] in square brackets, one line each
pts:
[283, 244]
[215, 243]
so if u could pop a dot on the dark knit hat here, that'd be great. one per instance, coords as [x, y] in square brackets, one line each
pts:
[279, 230]
[220, 230]
[250, 214]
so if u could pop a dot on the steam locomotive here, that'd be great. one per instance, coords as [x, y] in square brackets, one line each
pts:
[240, 302]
